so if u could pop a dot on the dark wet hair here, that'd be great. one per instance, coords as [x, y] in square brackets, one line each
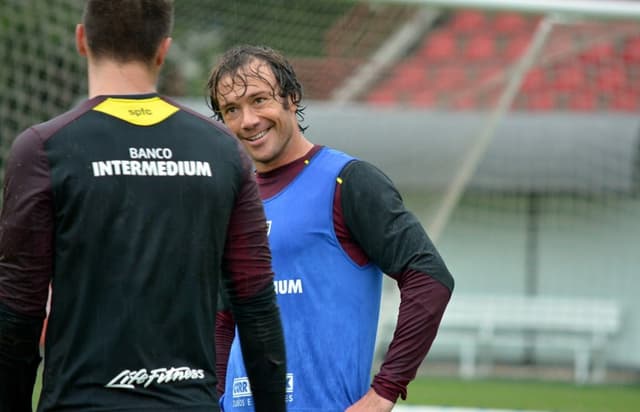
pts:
[127, 30]
[235, 63]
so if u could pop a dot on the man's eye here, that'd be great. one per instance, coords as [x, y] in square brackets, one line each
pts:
[230, 110]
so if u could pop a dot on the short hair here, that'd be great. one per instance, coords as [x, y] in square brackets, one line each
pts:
[127, 30]
[233, 62]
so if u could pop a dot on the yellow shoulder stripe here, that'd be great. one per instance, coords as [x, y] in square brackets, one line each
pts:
[141, 112]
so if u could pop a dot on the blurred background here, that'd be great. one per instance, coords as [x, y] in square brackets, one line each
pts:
[510, 127]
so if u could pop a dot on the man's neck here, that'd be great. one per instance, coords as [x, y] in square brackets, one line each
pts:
[111, 78]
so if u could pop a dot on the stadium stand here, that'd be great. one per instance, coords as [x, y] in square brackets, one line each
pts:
[463, 61]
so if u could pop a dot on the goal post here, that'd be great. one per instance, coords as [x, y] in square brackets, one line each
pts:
[608, 9]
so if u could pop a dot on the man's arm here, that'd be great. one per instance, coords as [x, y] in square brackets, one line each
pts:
[252, 298]
[19, 359]
[422, 303]
[26, 227]
[399, 245]
[225, 332]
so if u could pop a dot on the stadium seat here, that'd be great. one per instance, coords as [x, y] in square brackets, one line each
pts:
[534, 80]
[466, 102]
[598, 54]
[542, 100]
[468, 21]
[510, 23]
[480, 47]
[449, 77]
[626, 101]
[439, 47]
[516, 46]
[583, 101]
[408, 76]
[570, 77]
[487, 70]
[612, 78]
[423, 98]
[382, 97]
[631, 52]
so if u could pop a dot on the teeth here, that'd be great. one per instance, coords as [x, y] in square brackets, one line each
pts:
[258, 136]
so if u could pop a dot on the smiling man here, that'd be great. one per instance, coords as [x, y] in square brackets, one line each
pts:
[336, 224]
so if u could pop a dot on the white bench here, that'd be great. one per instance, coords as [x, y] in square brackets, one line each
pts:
[479, 325]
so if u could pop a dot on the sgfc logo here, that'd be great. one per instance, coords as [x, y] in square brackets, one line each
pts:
[142, 111]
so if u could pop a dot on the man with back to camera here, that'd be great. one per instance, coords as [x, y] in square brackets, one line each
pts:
[135, 209]
[336, 223]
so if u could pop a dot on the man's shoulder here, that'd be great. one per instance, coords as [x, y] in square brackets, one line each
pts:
[360, 176]
[49, 127]
[353, 164]
[359, 168]
[207, 120]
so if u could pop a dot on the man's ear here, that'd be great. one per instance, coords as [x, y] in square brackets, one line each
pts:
[163, 49]
[292, 106]
[81, 40]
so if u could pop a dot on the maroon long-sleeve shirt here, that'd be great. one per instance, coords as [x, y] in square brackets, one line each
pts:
[135, 209]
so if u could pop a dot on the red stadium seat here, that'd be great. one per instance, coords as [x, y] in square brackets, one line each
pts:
[510, 23]
[626, 101]
[449, 77]
[542, 100]
[487, 70]
[439, 46]
[466, 102]
[468, 21]
[612, 78]
[423, 98]
[631, 52]
[569, 78]
[382, 97]
[480, 47]
[516, 46]
[599, 53]
[409, 75]
[583, 101]
[534, 80]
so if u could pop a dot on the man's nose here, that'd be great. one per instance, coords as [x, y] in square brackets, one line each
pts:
[249, 119]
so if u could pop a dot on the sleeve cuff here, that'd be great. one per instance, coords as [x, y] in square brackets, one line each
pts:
[388, 390]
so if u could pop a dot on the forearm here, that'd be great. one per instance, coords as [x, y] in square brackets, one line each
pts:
[423, 301]
[225, 332]
[262, 342]
[19, 359]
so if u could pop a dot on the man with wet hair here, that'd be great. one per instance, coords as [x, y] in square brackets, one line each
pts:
[336, 224]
